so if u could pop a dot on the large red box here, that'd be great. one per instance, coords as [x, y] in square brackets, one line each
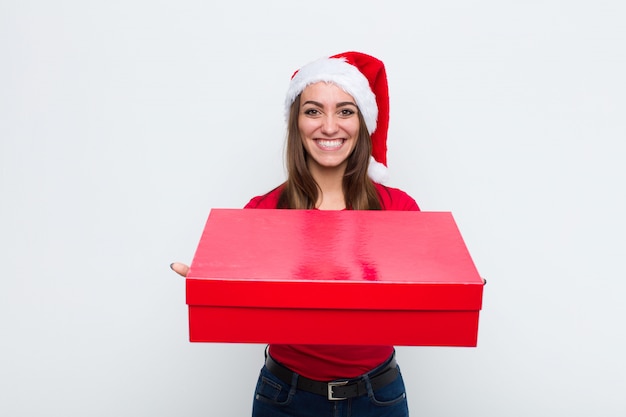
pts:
[333, 277]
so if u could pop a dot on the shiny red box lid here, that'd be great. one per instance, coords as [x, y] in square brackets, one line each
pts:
[332, 260]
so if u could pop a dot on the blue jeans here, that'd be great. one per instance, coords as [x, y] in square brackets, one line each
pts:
[275, 398]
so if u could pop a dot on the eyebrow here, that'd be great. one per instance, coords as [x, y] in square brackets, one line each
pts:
[341, 104]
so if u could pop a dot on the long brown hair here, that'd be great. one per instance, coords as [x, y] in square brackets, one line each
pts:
[300, 191]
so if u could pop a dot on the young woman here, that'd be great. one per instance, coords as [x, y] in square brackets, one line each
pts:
[338, 112]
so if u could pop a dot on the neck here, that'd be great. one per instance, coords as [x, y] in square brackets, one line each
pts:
[330, 182]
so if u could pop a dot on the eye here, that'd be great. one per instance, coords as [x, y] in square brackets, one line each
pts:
[311, 112]
[347, 112]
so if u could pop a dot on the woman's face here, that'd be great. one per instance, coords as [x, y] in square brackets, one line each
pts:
[329, 125]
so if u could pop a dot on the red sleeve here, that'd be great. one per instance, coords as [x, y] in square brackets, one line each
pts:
[266, 201]
[395, 199]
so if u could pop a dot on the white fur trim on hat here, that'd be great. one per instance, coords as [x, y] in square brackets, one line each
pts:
[377, 171]
[344, 75]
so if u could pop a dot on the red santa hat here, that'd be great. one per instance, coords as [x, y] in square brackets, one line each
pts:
[365, 79]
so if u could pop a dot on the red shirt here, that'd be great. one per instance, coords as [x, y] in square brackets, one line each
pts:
[330, 362]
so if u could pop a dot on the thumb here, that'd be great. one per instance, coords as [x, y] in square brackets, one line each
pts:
[180, 268]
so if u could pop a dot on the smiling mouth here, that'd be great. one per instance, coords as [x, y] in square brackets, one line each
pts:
[329, 144]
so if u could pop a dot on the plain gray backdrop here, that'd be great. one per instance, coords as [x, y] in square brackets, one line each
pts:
[122, 123]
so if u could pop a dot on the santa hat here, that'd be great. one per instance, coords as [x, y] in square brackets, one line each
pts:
[365, 79]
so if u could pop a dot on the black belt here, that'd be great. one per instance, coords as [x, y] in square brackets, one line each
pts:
[339, 389]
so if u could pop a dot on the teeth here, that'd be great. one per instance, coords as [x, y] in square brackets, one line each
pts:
[330, 143]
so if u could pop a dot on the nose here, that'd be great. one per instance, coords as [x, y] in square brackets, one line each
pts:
[329, 124]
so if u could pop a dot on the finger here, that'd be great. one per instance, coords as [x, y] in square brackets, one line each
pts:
[180, 268]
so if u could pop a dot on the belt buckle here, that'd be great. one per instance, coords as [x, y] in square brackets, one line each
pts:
[331, 385]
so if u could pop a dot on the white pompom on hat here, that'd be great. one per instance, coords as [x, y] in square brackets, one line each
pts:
[365, 79]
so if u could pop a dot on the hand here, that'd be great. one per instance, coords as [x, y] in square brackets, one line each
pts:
[180, 268]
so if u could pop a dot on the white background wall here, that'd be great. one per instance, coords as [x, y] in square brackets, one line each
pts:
[122, 123]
